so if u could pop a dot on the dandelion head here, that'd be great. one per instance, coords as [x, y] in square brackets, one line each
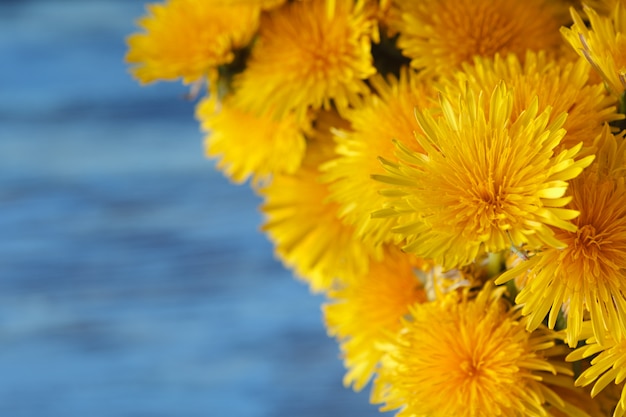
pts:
[464, 356]
[249, 145]
[483, 183]
[362, 315]
[189, 39]
[561, 85]
[303, 223]
[587, 274]
[306, 59]
[438, 35]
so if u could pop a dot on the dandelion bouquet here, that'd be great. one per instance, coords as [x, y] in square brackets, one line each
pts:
[449, 173]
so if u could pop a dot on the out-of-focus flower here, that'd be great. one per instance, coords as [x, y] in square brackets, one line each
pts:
[304, 224]
[438, 35]
[249, 145]
[304, 59]
[363, 314]
[189, 39]
[603, 45]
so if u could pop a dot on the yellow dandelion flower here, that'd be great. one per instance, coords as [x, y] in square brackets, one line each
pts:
[607, 366]
[587, 274]
[563, 86]
[249, 145]
[484, 182]
[363, 314]
[304, 225]
[304, 58]
[189, 38]
[604, 45]
[438, 35]
[459, 356]
[387, 115]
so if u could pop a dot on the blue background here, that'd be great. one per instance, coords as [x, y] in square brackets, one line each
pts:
[133, 278]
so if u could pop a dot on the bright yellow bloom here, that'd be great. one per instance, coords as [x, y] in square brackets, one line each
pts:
[248, 145]
[607, 366]
[305, 59]
[387, 115]
[438, 35]
[363, 314]
[189, 38]
[459, 357]
[304, 225]
[589, 273]
[484, 182]
[563, 86]
[604, 45]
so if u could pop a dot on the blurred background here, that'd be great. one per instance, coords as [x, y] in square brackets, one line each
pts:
[133, 278]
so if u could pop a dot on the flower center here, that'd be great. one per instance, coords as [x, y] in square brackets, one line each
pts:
[471, 367]
[587, 244]
[489, 200]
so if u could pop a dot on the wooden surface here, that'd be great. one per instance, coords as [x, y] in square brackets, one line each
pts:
[133, 280]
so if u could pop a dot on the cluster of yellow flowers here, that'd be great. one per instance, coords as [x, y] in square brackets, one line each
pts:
[449, 173]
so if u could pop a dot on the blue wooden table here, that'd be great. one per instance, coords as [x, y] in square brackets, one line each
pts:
[133, 278]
